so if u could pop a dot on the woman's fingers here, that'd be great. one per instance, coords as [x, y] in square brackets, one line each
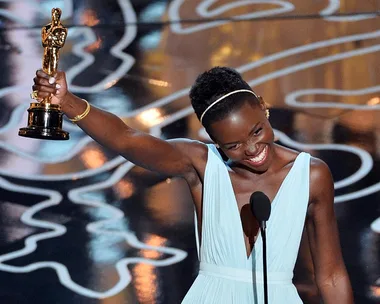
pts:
[47, 86]
[42, 74]
[44, 79]
[43, 82]
[44, 91]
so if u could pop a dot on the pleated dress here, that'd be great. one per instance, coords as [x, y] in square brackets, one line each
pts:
[226, 274]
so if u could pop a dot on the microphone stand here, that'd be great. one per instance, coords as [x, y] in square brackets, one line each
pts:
[263, 227]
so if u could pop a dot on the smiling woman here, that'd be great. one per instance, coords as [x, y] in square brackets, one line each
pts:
[237, 120]
[249, 137]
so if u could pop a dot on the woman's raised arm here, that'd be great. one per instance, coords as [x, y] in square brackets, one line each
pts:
[169, 158]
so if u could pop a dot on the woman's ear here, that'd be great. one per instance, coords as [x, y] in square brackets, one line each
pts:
[263, 105]
[215, 143]
[224, 156]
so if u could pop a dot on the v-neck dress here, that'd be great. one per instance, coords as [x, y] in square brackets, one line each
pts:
[226, 275]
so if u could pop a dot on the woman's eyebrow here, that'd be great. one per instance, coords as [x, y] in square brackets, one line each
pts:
[254, 128]
[249, 134]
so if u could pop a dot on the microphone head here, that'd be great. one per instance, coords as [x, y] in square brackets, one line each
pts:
[260, 206]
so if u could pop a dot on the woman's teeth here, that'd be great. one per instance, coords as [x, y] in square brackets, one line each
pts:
[259, 157]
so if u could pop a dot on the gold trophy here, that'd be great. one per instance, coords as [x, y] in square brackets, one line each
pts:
[44, 118]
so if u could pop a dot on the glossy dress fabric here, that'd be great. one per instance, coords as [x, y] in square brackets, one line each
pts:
[226, 275]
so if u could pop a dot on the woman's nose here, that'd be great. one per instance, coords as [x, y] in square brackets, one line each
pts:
[251, 148]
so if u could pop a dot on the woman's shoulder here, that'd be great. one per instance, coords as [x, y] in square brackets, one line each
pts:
[317, 166]
[320, 173]
[195, 150]
[286, 156]
[321, 180]
[192, 148]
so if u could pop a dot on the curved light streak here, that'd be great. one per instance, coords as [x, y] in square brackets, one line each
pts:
[267, 59]
[17, 112]
[365, 158]
[203, 10]
[375, 226]
[358, 194]
[313, 63]
[9, 15]
[130, 32]
[61, 270]
[334, 6]
[27, 218]
[291, 99]
[68, 176]
[67, 11]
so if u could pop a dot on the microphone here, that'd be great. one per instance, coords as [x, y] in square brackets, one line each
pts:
[261, 207]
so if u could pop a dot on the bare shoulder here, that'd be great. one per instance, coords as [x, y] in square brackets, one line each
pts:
[286, 155]
[319, 171]
[321, 181]
[190, 147]
[196, 151]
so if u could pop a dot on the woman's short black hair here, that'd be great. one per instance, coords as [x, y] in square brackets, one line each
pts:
[213, 84]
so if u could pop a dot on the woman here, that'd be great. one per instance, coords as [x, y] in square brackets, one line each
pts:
[299, 186]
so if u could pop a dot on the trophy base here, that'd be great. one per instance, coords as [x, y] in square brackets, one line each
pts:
[44, 133]
[44, 122]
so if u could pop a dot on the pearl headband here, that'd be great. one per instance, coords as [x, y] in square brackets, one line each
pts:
[225, 96]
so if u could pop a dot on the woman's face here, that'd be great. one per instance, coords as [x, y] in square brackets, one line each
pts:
[246, 137]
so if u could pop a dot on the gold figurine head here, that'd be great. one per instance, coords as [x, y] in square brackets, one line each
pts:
[56, 14]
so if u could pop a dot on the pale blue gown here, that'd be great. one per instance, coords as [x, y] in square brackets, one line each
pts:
[226, 275]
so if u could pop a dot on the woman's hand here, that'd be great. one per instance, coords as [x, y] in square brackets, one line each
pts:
[46, 86]
[175, 158]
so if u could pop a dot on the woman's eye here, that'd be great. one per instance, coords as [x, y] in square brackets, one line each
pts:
[258, 131]
[234, 147]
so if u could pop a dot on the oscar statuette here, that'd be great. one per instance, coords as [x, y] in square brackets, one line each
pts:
[44, 118]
